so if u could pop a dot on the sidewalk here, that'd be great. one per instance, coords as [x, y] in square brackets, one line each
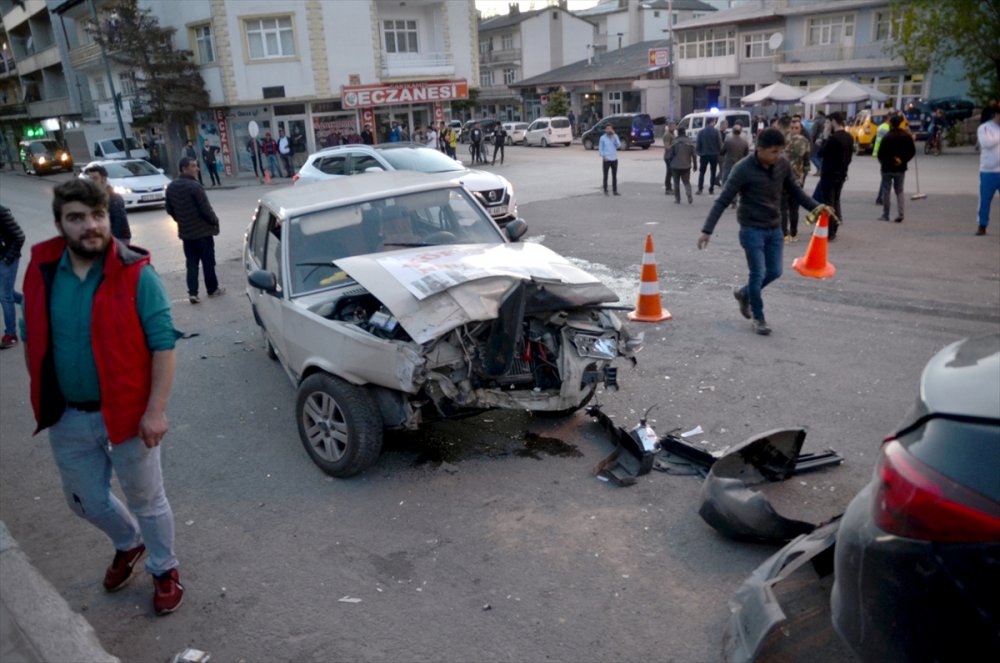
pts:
[36, 623]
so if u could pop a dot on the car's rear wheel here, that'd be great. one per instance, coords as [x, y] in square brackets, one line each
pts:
[339, 425]
[588, 144]
[545, 143]
[645, 147]
[509, 141]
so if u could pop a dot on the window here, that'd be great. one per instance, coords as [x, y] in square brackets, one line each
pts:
[737, 92]
[100, 89]
[486, 78]
[272, 252]
[706, 43]
[509, 76]
[485, 46]
[755, 46]
[830, 30]
[126, 84]
[333, 165]
[270, 37]
[400, 36]
[204, 50]
[259, 237]
[885, 27]
[507, 41]
[614, 102]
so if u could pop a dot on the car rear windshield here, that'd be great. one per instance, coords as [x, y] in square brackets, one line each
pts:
[642, 120]
[420, 159]
[561, 123]
[968, 452]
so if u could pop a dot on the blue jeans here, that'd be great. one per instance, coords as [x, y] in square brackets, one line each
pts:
[8, 297]
[85, 459]
[272, 165]
[989, 185]
[763, 249]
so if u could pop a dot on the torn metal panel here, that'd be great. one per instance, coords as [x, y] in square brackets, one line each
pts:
[699, 457]
[730, 505]
[635, 450]
[754, 608]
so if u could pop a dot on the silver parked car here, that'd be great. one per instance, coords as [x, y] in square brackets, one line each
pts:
[393, 298]
[495, 192]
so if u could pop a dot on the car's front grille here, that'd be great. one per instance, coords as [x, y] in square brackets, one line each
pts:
[494, 196]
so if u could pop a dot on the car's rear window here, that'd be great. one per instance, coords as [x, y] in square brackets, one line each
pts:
[642, 120]
[560, 123]
[968, 452]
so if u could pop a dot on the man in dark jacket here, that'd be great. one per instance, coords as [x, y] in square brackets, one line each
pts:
[709, 145]
[894, 153]
[11, 241]
[208, 156]
[835, 156]
[680, 161]
[760, 181]
[197, 225]
[734, 148]
[120, 228]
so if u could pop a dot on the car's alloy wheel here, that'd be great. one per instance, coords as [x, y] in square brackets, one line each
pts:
[545, 143]
[339, 425]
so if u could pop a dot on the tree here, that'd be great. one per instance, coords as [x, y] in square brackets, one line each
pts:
[167, 80]
[931, 32]
[557, 104]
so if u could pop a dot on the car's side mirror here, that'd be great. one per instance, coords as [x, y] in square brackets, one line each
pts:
[264, 280]
[161, 171]
[515, 229]
[374, 169]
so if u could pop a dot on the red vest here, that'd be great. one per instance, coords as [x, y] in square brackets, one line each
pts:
[124, 363]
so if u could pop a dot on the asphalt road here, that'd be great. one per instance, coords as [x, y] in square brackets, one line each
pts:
[457, 544]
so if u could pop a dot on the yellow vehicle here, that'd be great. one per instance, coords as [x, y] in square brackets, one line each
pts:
[865, 125]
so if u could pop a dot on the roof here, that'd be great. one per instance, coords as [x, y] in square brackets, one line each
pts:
[510, 20]
[294, 200]
[629, 62]
[754, 13]
[612, 6]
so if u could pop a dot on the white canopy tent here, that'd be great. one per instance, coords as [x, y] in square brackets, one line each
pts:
[843, 92]
[775, 92]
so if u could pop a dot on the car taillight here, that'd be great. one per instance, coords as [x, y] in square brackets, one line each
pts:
[918, 502]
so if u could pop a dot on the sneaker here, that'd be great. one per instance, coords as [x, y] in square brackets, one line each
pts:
[118, 574]
[617, 194]
[884, 217]
[788, 238]
[898, 219]
[981, 230]
[194, 299]
[168, 592]
[744, 303]
[8, 341]
[221, 290]
[760, 327]
[699, 192]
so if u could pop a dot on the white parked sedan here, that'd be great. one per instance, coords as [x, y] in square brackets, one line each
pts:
[393, 298]
[515, 132]
[137, 181]
[494, 191]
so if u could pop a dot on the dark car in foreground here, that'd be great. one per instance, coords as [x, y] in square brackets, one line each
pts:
[917, 562]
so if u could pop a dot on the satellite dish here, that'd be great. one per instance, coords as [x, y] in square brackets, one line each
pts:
[774, 43]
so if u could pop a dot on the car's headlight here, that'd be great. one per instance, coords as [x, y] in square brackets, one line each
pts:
[64, 157]
[122, 190]
[596, 347]
[41, 161]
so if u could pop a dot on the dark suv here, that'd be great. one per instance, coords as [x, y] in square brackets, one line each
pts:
[632, 129]
[486, 124]
[44, 156]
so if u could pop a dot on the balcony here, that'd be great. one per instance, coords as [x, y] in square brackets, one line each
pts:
[508, 56]
[85, 57]
[408, 65]
[49, 107]
[13, 110]
[838, 57]
[497, 92]
[713, 67]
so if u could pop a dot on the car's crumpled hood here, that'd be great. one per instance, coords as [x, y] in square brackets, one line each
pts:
[432, 290]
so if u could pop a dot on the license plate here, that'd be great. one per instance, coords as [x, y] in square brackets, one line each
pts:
[151, 196]
[498, 211]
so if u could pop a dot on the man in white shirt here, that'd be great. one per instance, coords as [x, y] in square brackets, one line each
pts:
[989, 168]
[432, 137]
[285, 150]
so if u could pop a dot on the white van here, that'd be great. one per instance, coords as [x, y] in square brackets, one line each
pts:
[547, 131]
[692, 123]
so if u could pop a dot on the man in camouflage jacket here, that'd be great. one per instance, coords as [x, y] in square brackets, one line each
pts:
[797, 151]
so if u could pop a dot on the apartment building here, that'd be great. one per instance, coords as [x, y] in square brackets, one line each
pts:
[728, 54]
[315, 69]
[34, 88]
[622, 23]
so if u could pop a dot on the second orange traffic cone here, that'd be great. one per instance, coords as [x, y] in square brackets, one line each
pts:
[647, 307]
[814, 262]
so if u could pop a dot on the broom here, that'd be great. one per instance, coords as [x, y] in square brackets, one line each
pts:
[916, 170]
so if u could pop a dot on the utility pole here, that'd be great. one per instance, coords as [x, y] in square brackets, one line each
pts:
[111, 83]
[670, 59]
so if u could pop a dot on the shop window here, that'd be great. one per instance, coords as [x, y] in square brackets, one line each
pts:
[269, 38]
[614, 102]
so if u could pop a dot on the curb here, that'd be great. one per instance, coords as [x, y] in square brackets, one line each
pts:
[36, 623]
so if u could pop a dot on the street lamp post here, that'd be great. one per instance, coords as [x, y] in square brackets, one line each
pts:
[114, 96]
[670, 59]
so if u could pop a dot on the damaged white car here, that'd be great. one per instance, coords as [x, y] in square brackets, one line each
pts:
[393, 298]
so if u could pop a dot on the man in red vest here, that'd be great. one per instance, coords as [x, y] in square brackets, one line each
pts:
[99, 340]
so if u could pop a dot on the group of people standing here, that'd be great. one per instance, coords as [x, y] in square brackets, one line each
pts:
[270, 152]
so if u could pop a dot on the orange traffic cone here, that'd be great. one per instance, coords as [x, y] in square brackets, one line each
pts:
[647, 308]
[814, 262]
[267, 175]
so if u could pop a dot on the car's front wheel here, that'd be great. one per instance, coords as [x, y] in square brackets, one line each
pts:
[339, 425]
[588, 144]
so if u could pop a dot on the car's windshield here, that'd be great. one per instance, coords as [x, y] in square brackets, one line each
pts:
[43, 146]
[123, 169]
[430, 218]
[420, 159]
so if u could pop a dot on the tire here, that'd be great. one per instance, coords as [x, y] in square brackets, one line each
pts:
[339, 425]
[509, 141]
[645, 147]
[627, 144]
[269, 349]
[545, 143]
[588, 144]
